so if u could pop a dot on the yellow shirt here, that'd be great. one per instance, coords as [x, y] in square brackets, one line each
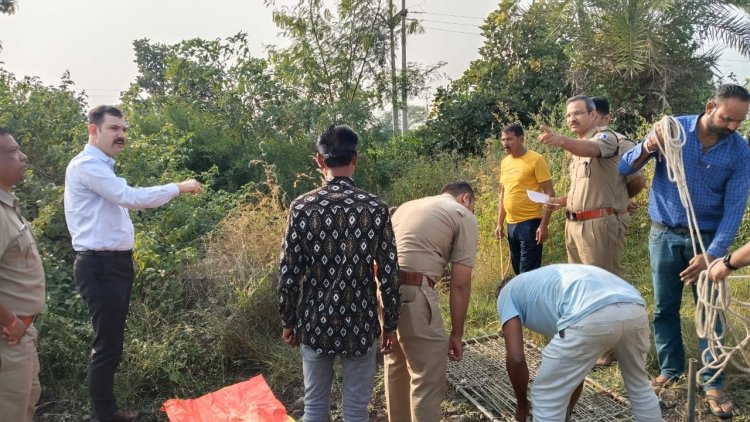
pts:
[517, 175]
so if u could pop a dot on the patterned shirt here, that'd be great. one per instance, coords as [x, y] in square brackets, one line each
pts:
[718, 181]
[334, 235]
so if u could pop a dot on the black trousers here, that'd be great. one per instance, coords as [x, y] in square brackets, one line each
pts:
[105, 281]
[525, 254]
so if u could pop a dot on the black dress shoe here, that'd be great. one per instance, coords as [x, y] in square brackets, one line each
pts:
[126, 415]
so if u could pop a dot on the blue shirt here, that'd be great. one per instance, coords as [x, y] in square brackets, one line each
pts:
[97, 202]
[718, 181]
[555, 297]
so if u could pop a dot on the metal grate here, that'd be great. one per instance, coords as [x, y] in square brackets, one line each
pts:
[481, 378]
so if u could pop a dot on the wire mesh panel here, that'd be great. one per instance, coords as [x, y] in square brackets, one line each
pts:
[481, 377]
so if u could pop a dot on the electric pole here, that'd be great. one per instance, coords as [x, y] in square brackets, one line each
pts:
[403, 66]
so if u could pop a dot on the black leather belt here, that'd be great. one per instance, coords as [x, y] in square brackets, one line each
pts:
[127, 253]
[676, 230]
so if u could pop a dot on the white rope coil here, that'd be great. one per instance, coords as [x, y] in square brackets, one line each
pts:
[714, 299]
[713, 305]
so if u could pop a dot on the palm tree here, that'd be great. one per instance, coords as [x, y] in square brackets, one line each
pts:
[647, 53]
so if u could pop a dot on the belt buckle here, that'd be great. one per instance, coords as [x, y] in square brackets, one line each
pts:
[570, 215]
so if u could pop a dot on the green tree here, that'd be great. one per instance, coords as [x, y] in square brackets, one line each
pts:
[339, 59]
[521, 73]
[227, 104]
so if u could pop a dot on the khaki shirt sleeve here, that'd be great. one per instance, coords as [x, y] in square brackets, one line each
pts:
[607, 142]
[466, 239]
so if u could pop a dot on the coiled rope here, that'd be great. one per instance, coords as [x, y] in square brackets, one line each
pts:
[714, 299]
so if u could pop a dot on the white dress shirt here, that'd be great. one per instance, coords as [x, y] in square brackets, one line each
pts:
[97, 202]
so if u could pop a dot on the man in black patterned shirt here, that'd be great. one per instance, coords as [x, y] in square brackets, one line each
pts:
[327, 289]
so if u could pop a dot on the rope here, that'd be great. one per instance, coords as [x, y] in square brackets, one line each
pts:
[714, 299]
[504, 263]
[674, 139]
[713, 305]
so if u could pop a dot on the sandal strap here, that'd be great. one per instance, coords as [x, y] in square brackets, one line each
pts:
[719, 399]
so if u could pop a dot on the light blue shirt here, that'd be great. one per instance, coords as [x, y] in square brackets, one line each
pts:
[555, 297]
[97, 202]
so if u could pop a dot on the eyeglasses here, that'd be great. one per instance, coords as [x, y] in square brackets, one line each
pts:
[576, 114]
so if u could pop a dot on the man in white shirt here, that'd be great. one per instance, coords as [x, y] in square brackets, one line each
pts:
[585, 310]
[96, 210]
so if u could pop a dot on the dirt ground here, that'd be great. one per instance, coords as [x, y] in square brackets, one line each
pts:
[673, 401]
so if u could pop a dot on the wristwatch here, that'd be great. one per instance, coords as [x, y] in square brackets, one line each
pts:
[727, 264]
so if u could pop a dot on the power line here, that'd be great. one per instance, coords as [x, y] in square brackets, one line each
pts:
[445, 14]
[450, 23]
[457, 32]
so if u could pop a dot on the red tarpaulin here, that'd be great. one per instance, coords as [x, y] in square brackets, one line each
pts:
[248, 401]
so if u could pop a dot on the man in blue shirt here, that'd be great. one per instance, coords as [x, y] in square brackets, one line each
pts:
[586, 311]
[715, 160]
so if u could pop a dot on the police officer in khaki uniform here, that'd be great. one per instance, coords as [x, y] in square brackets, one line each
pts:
[21, 294]
[592, 227]
[627, 186]
[430, 233]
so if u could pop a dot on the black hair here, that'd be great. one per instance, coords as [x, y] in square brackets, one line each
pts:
[4, 131]
[338, 145]
[96, 114]
[458, 188]
[504, 282]
[514, 128]
[601, 104]
[727, 91]
[587, 100]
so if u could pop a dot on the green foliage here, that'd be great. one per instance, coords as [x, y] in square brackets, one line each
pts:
[643, 54]
[519, 75]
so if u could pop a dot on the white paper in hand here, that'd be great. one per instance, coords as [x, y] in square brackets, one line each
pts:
[537, 197]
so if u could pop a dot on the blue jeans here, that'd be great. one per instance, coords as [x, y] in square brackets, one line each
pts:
[525, 254]
[670, 254]
[359, 375]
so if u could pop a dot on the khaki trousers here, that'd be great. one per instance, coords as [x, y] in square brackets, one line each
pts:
[624, 219]
[19, 379]
[415, 372]
[595, 242]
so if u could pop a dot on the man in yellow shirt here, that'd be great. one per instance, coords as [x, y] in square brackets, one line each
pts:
[520, 171]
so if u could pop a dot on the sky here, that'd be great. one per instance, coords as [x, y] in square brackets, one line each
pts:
[93, 39]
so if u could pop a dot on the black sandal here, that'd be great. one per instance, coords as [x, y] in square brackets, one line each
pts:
[718, 401]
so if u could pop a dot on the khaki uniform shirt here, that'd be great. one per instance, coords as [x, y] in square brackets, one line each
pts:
[593, 180]
[432, 231]
[21, 270]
